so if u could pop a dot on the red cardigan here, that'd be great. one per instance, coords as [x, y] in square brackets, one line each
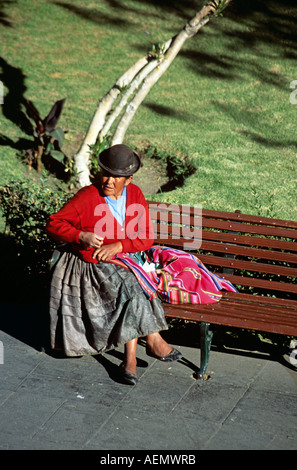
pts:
[88, 211]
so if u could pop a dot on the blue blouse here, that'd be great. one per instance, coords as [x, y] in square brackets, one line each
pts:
[118, 206]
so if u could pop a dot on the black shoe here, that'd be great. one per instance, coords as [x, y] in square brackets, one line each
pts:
[128, 377]
[174, 355]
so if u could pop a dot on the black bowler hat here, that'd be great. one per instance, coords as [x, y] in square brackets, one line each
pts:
[119, 160]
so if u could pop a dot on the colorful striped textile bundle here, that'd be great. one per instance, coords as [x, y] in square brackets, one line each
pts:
[173, 275]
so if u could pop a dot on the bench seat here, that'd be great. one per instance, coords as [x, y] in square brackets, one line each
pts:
[256, 254]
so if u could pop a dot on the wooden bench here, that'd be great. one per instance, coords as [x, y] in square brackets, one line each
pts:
[257, 254]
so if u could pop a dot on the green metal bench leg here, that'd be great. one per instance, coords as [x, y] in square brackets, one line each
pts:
[205, 340]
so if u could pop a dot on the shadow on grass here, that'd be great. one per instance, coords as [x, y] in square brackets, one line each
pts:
[170, 112]
[180, 9]
[248, 27]
[269, 22]
[4, 18]
[12, 108]
[94, 15]
[13, 79]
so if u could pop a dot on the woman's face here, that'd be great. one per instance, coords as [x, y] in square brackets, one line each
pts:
[112, 186]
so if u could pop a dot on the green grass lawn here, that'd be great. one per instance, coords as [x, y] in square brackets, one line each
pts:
[224, 101]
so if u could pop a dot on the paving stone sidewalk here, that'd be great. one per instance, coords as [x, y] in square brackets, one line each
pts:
[57, 403]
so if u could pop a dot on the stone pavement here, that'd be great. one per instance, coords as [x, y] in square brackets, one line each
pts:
[56, 403]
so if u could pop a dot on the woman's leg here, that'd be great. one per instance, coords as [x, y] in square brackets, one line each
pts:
[157, 345]
[129, 362]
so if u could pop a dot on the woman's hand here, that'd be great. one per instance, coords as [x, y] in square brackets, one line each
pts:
[106, 252]
[90, 239]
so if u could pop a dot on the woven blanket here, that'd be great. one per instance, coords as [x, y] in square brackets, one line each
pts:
[177, 277]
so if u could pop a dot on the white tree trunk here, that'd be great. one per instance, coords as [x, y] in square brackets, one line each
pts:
[150, 81]
[82, 158]
[134, 85]
[138, 80]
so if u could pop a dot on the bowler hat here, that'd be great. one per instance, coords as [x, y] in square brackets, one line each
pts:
[119, 160]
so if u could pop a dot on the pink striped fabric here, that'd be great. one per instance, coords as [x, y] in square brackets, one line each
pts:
[179, 278]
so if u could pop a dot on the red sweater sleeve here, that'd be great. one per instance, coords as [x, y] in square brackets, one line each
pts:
[65, 225]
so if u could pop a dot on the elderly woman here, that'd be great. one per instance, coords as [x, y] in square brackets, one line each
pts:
[96, 305]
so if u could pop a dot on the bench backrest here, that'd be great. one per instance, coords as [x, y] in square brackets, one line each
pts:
[257, 254]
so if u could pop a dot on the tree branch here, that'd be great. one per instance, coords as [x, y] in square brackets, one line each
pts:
[138, 80]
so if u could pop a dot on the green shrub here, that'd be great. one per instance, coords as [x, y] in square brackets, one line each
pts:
[26, 206]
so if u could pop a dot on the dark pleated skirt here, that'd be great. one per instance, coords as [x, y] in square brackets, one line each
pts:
[98, 307]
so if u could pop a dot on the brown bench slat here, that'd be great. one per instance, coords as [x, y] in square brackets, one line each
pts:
[174, 235]
[241, 310]
[243, 317]
[258, 228]
[260, 283]
[232, 226]
[255, 229]
[236, 250]
[260, 299]
[248, 265]
[245, 323]
[271, 304]
[208, 213]
[259, 311]
[280, 324]
[250, 218]
[249, 240]
[249, 252]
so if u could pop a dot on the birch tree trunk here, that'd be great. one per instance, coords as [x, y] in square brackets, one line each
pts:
[81, 159]
[137, 81]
